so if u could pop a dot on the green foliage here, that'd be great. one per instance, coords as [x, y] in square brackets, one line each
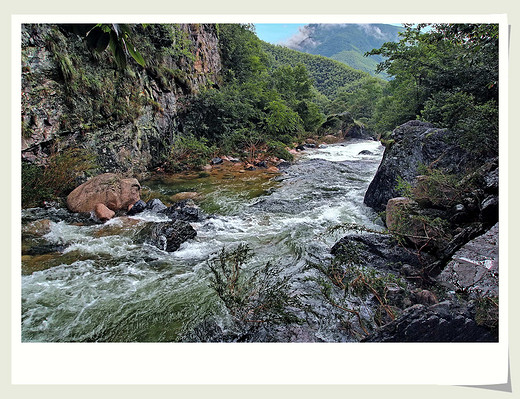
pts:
[282, 120]
[189, 152]
[448, 75]
[279, 150]
[242, 56]
[476, 124]
[328, 75]
[58, 178]
[359, 98]
[252, 296]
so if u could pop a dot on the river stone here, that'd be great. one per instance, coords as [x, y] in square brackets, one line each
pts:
[185, 210]
[447, 321]
[380, 252]
[414, 143]
[155, 205]
[111, 190]
[474, 267]
[168, 236]
[138, 207]
[37, 228]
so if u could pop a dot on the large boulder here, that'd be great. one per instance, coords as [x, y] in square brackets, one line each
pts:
[111, 190]
[381, 252]
[473, 269]
[413, 144]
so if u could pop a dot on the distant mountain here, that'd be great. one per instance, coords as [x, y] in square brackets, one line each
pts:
[346, 43]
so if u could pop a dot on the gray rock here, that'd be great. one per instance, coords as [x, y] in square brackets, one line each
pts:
[168, 236]
[185, 210]
[381, 252]
[474, 267]
[447, 321]
[155, 205]
[415, 143]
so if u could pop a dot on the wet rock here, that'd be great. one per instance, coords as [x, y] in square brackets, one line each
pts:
[474, 267]
[216, 161]
[44, 248]
[414, 143]
[489, 210]
[155, 205]
[168, 236]
[366, 152]
[261, 164]
[424, 297]
[109, 189]
[103, 213]
[283, 165]
[185, 210]
[447, 321]
[37, 228]
[138, 207]
[380, 251]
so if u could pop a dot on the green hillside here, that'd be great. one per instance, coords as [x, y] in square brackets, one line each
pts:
[329, 75]
[346, 43]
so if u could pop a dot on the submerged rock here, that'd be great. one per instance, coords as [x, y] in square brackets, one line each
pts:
[168, 236]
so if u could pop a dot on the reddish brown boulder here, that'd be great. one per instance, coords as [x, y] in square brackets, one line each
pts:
[103, 213]
[111, 190]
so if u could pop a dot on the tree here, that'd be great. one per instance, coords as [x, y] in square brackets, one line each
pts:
[436, 68]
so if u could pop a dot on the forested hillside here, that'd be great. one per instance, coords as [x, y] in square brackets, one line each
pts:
[328, 75]
[346, 43]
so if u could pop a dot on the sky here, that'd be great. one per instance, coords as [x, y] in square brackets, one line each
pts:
[278, 33]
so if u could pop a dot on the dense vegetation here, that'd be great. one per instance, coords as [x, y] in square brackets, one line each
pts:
[256, 105]
[269, 98]
[447, 75]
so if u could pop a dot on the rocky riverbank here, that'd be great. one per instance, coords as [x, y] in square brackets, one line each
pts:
[440, 207]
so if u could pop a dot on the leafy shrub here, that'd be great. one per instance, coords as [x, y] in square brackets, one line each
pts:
[279, 150]
[259, 296]
[189, 152]
[477, 124]
[282, 120]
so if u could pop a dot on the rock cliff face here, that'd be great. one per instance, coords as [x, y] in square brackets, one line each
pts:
[74, 97]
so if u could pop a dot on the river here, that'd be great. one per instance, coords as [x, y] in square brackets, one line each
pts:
[96, 283]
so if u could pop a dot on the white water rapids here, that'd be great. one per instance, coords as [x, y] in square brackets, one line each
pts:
[103, 286]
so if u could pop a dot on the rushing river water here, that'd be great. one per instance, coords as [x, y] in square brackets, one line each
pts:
[96, 283]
